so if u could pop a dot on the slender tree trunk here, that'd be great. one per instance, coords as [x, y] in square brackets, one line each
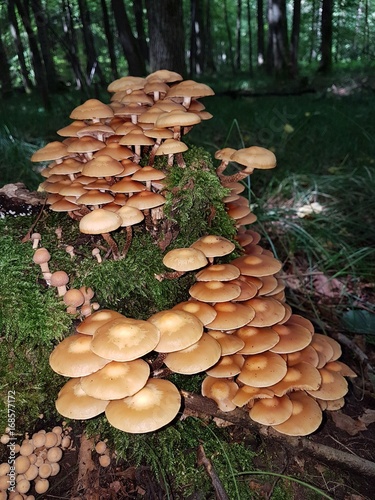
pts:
[5, 78]
[39, 70]
[166, 31]
[326, 43]
[229, 34]
[197, 38]
[260, 32]
[313, 30]
[45, 44]
[294, 42]
[15, 33]
[140, 27]
[250, 35]
[277, 52]
[110, 40]
[210, 63]
[129, 44]
[238, 36]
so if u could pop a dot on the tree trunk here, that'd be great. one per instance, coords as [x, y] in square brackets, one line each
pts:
[15, 33]
[260, 32]
[326, 43]
[5, 78]
[210, 63]
[229, 34]
[166, 31]
[39, 69]
[277, 52]
[238, 36]
[197, 38]
[294, 42]
[140, 27]
[110, 40]
[129, 44]
[92, 64]
[313, 30]
[45, 44]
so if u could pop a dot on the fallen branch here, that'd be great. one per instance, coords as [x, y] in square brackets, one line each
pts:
[220, 493]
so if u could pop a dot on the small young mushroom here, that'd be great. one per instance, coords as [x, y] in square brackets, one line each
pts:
[96, 253]
[58, 232]
[73, 298]
[35, 238]
[60, 279]
[70, 250]
[41, 257]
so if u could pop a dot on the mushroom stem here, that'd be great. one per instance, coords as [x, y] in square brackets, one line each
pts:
[180, 160]
[129, 235]
[220, 169]
[162, 373]
[113, 245]
[158, 361]
[169, 276]
[227, 179]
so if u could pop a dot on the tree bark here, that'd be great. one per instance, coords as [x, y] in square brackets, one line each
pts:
[238, 36]
[260, 32]
[294, 42]
[15, 33]
[326, 43]
[166, 31]
[250, 38]
[129, 44]
[229, 35]
[277, 51]
[140, 27]
[110, 39]
[210, 63]
[5, 78]
[197, 38]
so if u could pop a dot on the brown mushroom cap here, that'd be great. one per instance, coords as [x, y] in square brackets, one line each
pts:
[333, 386]
[263, 370]
[52, 151]
[102, 166]
[171, 147]
[218, 272]
[306, 416]
[221, 391]
[256, 340]
[196, 358]
[73, 357]
[268, 311]
[92, 109]
[213, 246]
[73, 402]
[127, 83]
[308, 355]
[272, 411]
[90, 324]
[154, 406]
[178, 330]
[117, 380]
[146, 200]
[125, 339]
[255, 157]
[204, 312]
[227, 366]
[337, 352]
[301, 376]
[214, 291]
[340, 367]
[231, 316]
[99, 221]
[230, 344]
[247, 393]
[293, 338]
[257, 265]
[185, 259]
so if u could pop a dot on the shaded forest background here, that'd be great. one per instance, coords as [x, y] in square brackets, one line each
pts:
[84, 43]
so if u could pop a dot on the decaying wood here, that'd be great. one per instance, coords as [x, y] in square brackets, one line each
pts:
[357, 465]
[202, 459]
[88, 479]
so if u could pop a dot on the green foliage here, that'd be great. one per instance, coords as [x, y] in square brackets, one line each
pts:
[172, 454]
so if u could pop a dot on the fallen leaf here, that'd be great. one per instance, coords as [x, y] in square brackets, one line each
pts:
[327, 286]
[368, 417]
[348, 424]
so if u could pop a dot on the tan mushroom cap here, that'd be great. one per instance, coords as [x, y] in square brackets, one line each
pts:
[196, 358]
[130, 215]
[268, 311]
[213, 245]
[164, 75]
[323, 347]
[230, 344]
[203, 311]
[136, 138]
[227, 366]
[71, 129]
[292, 338]
[231, 316]
[269, 284]
[272, 411]
[74, 297]
[257, 265]
[340, 367]
[85, 144]
[99, 221]
[146, 200]
[117, 380]
[52, 151]
[308, 355]
[128, 185]
[218, 272]
[98, 130]
[154, 406]
[263, 370]
[178, 330]
[102, 166]
[189, 88]
[73, 402]
[221, 391]
[177, 119]
[301, 376]
[73, 357]
[224, 154]
[68, 166]
[214, 291]
[248, 289]
[336, 347]
[171, 147]
[185, 259]
[95, 197]
[148, 173]
[247, 393]
[255, 157]
[333, 386]
[115, 151]
[306, 416]
[127, 83]
[136, 96]
[256, 339]
[92, 109]
[300, 320]
[125, 339]
[334, 405]
[98, 318]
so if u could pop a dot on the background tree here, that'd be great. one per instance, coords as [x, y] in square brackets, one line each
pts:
[294, 39]
[326, 44]
[277, 50]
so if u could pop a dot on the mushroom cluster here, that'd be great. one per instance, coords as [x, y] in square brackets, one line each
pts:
[36, 461]
[95, 173]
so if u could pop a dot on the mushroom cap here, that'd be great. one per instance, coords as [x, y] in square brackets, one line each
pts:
[203, 311]
[231, 316]
[301, 376]
[102, 166]
[146, 200]
[263, 370]
[154, 406]
[71, 129]
[323, 347]
[91, 109]
[218, 272]
[73, 357]
[227, 366]
[214, 291]
[170, 147]
[268, 311]
[213, 245]
[248, 289]
[148, 173]
[73, 402]
[221, 391]
[125, 339]
[308, 355]
[127, 185]
[130, 215]
[333, 386]
[185, 259]
[41, 255]
[306, 416]
[230, 344]
[99, 221]
[165, 75]
[255, 157]
[127, 83]
[178, 330]
[189, 88]
[196, 358]
[177, 118]
[117, 380]
[68, 166]
[90, 324]
[300, 320]
[336, 347]
[59, 278]
[340, 367]
[85, 144]
[293, 338]
[224, 154]
[115, 151]
[51, 151]
[257, 265]
[256, 339]
[247, 393]
[272, 411]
